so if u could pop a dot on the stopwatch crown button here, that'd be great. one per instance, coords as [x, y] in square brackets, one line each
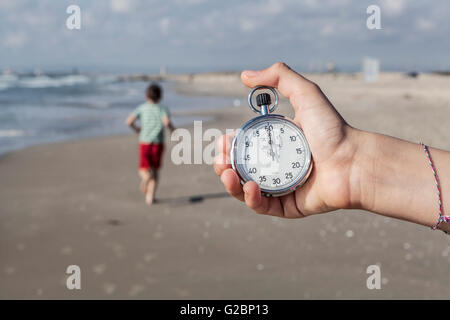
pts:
[263, 99]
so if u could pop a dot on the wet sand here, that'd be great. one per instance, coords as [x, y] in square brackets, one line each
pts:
[79, 203]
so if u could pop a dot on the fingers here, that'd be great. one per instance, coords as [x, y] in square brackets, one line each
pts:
[222, 166]
[260, 204]
[290, 207]
[280, 76]
[232, 184]
[222, 160]
[221, 163]
[224, 143]
[254, 199]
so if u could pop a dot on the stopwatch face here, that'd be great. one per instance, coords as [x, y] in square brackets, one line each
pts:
[273, 152]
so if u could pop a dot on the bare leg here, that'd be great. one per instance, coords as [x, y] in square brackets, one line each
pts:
[151, 186]
[145, 178]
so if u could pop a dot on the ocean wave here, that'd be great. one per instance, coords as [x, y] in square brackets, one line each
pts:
[11, 133]
[49, 82]
[8, 81]
[44, 81]
[105, 79]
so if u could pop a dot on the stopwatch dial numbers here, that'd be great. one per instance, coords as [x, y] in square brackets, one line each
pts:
[273, 154]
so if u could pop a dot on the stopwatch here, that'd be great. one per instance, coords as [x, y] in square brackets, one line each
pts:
[271, 149]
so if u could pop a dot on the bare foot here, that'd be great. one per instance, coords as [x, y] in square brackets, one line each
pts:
[149, 199]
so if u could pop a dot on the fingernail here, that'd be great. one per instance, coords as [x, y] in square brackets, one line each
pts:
[251, 73]
[245, 188]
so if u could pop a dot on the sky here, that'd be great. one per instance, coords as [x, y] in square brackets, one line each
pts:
[208, 35]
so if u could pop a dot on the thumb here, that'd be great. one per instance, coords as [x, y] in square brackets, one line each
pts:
[288, 82]
[311, 106]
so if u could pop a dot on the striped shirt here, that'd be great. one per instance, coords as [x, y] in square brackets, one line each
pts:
[152, 127]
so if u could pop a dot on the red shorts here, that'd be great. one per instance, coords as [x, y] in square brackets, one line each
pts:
[150, 155]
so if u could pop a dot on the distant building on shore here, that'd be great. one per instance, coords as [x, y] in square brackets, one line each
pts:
[331, 67]
[162, 70]
[370, 69]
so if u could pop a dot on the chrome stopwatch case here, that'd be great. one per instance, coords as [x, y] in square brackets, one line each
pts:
[271, 149]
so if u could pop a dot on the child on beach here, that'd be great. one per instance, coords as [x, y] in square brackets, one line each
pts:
[153, 117]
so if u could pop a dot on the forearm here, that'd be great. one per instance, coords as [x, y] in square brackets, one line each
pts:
[171, 127]
[135, 127]
[394, 179]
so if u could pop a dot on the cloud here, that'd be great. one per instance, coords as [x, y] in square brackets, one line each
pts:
[311, 3]
[272, 7]
[221, 34]
[164, 25]
[247, 25]
[189, 2]
[7, 4]
[121, 6]
[393, 7]
[425, 24]
[15, 40]
[327, 30]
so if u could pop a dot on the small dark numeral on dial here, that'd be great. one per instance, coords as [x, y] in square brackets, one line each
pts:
[247, 157]
[282, 130]
[299, 151]
[262, 179]
[276, 181]
[288, 175]
[252, 170]
[293, 138]
[296, 164]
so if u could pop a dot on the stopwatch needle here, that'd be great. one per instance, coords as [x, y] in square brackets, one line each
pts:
[279, 146]
[272, 152]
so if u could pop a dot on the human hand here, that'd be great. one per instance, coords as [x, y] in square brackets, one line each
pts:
[333, 183]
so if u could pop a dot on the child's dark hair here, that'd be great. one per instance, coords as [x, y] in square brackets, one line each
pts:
[154, 92]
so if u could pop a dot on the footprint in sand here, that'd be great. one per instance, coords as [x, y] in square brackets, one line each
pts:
[135, 290]
[109, 288]
[67, 250]
[10, 270]
[149, 257]
[99, 269]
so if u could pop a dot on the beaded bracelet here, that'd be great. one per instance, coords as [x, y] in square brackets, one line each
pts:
[442, 217]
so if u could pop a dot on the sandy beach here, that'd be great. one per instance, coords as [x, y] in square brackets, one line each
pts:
[79, 203]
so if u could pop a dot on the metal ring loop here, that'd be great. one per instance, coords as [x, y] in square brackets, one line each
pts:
[250, 95]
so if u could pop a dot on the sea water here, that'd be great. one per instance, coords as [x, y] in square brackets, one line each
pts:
[43, 108]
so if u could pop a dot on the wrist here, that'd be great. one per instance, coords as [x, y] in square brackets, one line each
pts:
[392, 177]
[362, 178]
